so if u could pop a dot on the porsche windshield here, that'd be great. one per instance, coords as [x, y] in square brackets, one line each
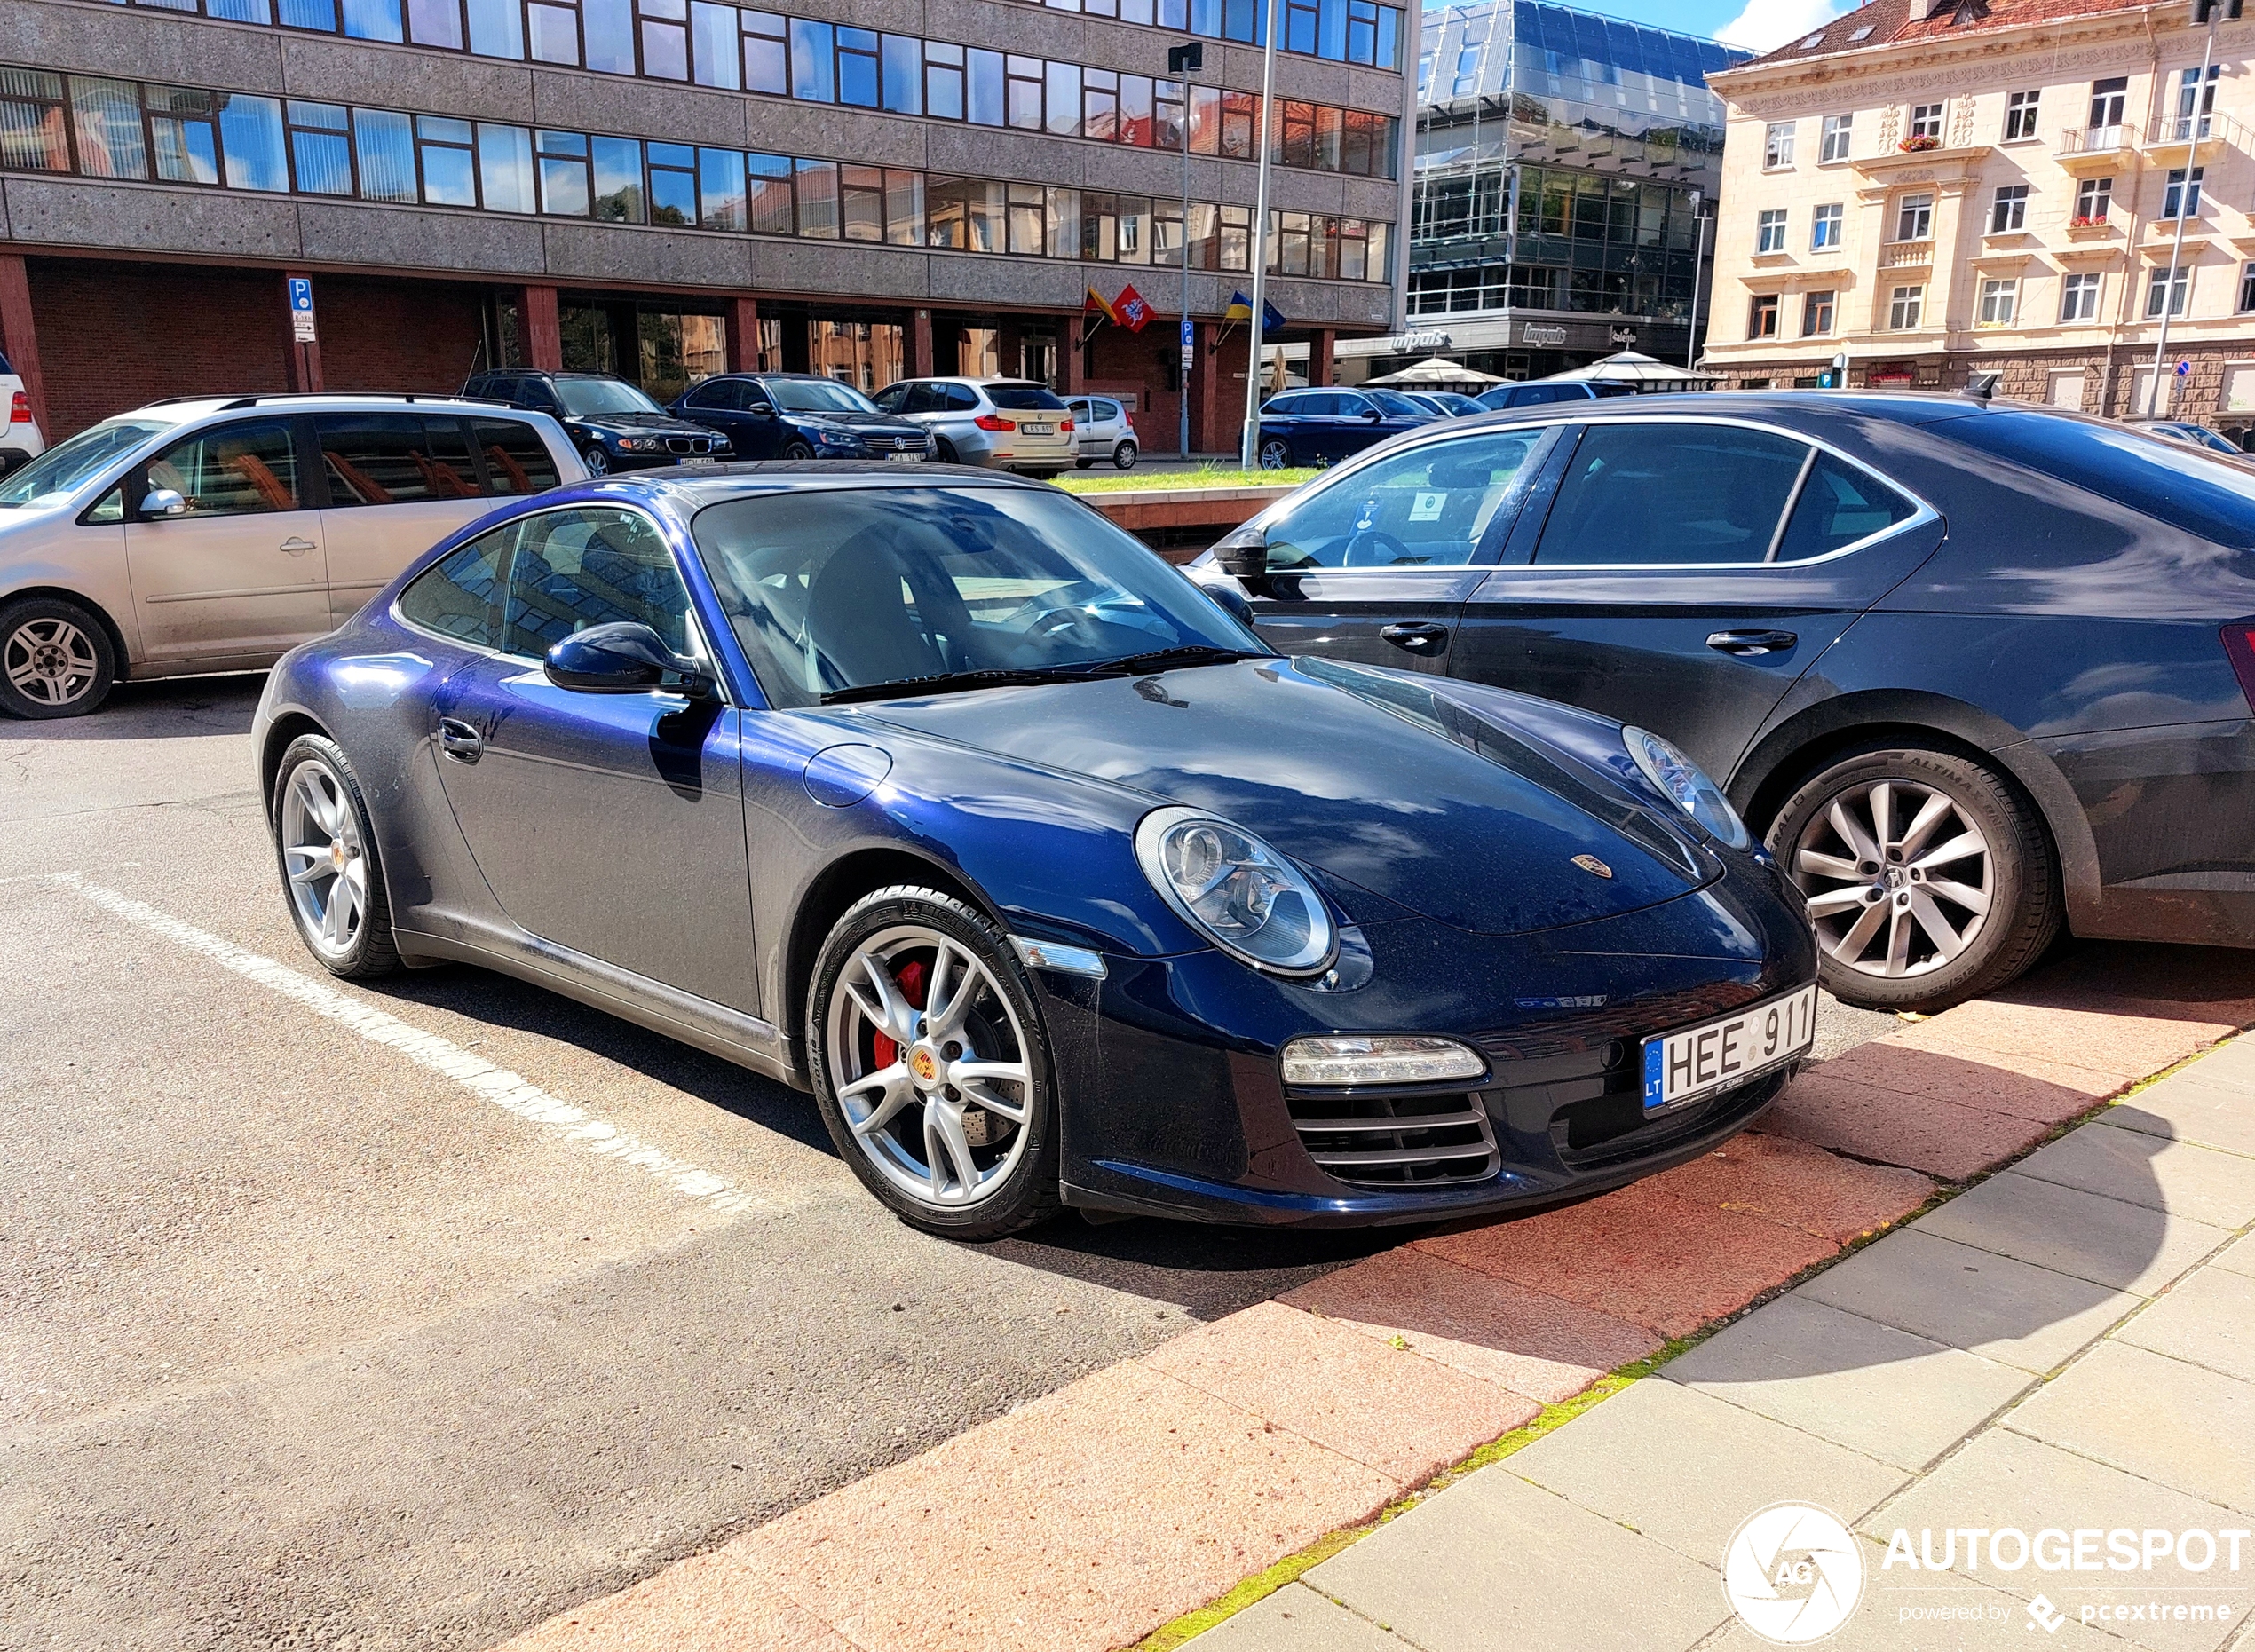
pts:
[838, 591]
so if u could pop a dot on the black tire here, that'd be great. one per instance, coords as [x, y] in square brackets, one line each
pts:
[943, 451]
[598, 462]
[370, 951]
[798, 450]
[1123, 457]
[1084, 464]
[56, 658]
[1275, 453]
[1028, 1193]
[2019, 877]
[1042, 475]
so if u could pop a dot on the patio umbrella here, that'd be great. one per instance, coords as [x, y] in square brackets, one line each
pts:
[1645, 372]
[1436, 373]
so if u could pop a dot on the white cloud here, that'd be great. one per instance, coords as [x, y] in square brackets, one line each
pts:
[1765, 25]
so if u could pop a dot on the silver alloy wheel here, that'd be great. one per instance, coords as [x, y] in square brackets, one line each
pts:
[957, 1067]
[1275, 456]
[50, 661]
[323, 859]
[1899, 876]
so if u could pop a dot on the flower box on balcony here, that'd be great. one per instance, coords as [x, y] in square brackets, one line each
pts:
[2089, 229]
[1920, 144]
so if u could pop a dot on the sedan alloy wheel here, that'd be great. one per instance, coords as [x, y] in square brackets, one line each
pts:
[1899, 878]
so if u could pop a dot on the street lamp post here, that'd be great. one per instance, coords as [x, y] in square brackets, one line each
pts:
[1250, 443]
[2209, 12]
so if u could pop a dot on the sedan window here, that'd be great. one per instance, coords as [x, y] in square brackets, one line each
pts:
[1395, 405]
[841, 589]
[1663, 494]
[1430, 507]
[578, 568]
[1840, 505]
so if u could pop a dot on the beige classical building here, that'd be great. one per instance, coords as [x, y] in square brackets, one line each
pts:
[1935, 188]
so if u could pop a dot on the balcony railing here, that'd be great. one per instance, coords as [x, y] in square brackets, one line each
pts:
[2094, 139]
[1903, 254]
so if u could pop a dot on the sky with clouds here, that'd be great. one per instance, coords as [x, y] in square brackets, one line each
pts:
[1759, 24]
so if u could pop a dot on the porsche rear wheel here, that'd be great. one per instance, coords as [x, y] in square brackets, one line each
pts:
[930, 1065]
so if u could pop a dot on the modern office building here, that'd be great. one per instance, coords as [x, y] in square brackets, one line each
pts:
[662, 188]
[1933, 191]
[1562, 162]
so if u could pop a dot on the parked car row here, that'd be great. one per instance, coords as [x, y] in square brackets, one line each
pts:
[1321, 427]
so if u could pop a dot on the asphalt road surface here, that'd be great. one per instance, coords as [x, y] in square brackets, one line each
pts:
[314, 1330]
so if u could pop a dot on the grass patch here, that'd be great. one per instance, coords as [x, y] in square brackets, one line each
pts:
[1205, 476]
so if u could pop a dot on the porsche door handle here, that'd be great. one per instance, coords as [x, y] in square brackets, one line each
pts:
[1420, 636]
[1751, 644]
[459, 741]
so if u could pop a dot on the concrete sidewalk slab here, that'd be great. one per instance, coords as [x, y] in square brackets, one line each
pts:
[1639, 1255]
[2208, 1319]
[1997, 1306]
[2240, 1257]
[1680, 1441]
[1392, 1409]
[1525, 1340]
[1499, 1565]
[1893, 1396]
[2051, 1040]
[2191, 1105]
[1940, 1136]
[1797, 1186]
[2172, 1422]
[1296, 1618]
[2007, 1479]
[707, 1601]
[2109, 1241]
[2179, 1177]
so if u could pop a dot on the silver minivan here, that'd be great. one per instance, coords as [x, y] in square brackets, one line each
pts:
[1005, 423]
[217, 534]
[1103, 429]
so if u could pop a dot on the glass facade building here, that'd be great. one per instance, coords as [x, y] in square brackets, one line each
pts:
[1562, 162]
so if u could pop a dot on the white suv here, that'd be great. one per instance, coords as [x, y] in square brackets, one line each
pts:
[216, 535]
[20, 442]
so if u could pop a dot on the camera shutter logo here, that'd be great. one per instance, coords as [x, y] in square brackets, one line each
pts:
[1792, 1573]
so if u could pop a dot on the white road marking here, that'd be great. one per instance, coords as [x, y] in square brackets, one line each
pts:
[504, 1088]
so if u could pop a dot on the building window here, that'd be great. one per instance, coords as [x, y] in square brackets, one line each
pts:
[2181, 197]
[1777, 145]
[2195, 103]
[1825, 226]
[1904, 306]
[1926, 121]
[2019, 115]
[2247, 288]
[1999, 301]
[1817, 314]
[1761, 317]
[2008, 212]
[1914, 217]
[1839, 129]
[2079, 297]
[2108, 97]
[1769, 231]
[2169, 289]
[2094, 199]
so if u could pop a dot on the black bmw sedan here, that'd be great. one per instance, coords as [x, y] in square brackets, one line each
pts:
[1977, 671]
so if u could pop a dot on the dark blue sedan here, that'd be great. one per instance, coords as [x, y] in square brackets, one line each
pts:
[1321, 427]
[934, 793]
[799, 416]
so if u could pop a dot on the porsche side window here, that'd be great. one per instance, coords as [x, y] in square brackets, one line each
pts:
[1431, 506]
[578, 568]
[459, 596]
[1637, 493]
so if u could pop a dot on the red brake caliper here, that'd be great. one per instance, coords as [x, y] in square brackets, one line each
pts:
[911, 978]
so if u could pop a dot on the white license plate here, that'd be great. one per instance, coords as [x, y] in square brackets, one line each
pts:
[1682, 1067]
[700, 458]
[912, 457]
[1038, 430]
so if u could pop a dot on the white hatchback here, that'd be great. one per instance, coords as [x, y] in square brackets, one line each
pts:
[20, 440]
[216, 534]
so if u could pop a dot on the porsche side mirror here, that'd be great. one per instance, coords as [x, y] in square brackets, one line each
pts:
[1243, 554]
[623, 656]
[163, 501]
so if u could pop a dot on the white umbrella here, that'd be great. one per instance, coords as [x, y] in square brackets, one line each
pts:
[1435, 373]
[1628, 368]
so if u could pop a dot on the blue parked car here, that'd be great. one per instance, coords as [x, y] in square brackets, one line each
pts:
[943, 798]
[1321, 427]
[799, 416]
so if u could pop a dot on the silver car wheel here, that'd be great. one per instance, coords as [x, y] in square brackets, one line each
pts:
[936, 1096]
[50, 661]
[1899, 876]
[323, 859]
[1275, 456]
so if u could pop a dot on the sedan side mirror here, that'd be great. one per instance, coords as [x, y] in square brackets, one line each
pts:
[1231, 596]
[1374, 415]
[163, 501]
[1244, 554]
[623, 656]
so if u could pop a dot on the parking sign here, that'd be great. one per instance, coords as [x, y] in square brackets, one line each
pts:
[301, 308]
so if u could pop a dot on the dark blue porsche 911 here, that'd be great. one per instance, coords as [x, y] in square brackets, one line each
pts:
[940, 796]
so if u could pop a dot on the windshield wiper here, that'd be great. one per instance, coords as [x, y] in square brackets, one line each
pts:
[1017, 676]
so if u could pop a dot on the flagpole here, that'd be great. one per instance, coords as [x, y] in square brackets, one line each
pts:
[1249, 444]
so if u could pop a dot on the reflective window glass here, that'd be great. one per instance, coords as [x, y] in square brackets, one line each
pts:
[237, 469]
[1639, 493]
[578, 568]
[1437, 505]
[459, 596]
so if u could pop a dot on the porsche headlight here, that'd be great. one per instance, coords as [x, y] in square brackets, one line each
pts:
[1233, 888]
[1383, 1060]
[1686, 785]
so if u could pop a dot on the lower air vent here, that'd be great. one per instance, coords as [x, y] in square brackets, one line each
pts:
[1398, 1142]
